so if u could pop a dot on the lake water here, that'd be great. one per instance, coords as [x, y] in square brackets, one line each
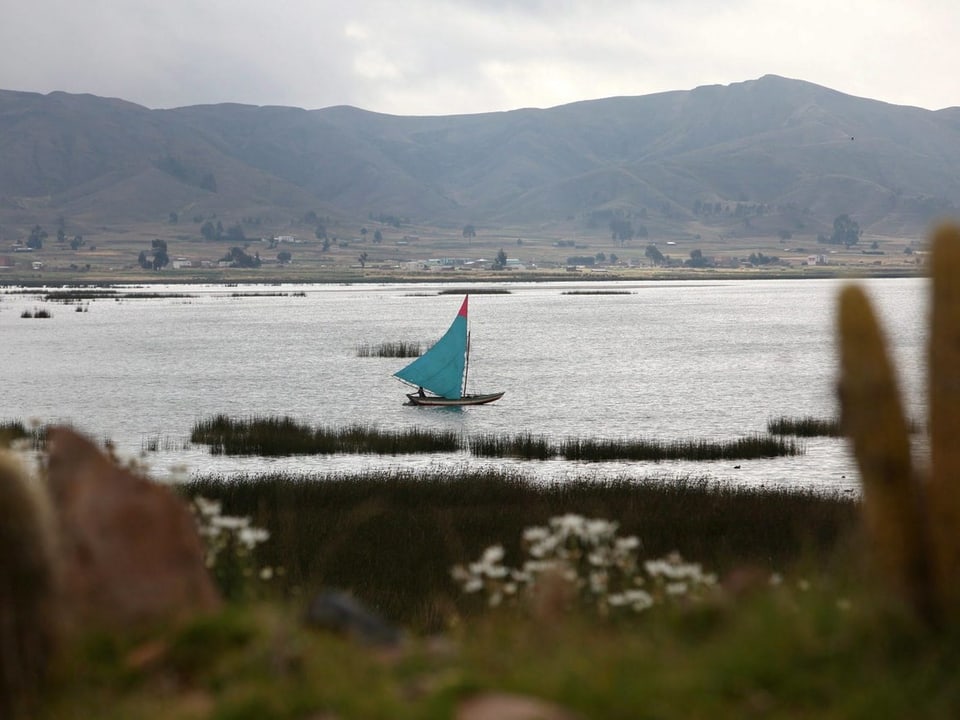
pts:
[663, 361]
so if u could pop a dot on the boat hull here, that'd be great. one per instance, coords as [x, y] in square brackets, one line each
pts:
[436, 401]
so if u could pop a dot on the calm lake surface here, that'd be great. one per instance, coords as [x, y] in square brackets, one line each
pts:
[659, 360]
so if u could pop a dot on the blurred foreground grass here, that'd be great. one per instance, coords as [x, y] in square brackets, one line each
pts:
[809, 647]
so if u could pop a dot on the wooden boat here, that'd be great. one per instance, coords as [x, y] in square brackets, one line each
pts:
[440, 374]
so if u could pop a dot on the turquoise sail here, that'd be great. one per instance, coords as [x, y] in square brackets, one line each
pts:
[441, 368]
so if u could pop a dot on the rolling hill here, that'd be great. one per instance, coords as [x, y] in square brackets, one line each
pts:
[758, 157]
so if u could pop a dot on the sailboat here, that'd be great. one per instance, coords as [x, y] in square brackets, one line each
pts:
[442, 370]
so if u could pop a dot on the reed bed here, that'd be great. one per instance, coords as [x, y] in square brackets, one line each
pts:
[67, 296]
[805, 426]
[527, 446]
[36, 313]
[474, 291]
[395, 349]
[596, 292]
[166, 443]
[280, 436]
[14, 430]
[390, 537]
[277, 436]
[745, 448]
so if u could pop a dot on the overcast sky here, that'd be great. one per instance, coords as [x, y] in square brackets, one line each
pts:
[441, 57]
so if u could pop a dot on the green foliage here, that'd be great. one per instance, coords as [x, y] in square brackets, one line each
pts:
[756, 259]
[276, 436]
[697, 260]
[500, 262]
[654, 255]
[238, 258]
[846, 231]
[235, 234]
[36, 238]
[805, 427]
[621, 230]
[209, 231]
[391, 536]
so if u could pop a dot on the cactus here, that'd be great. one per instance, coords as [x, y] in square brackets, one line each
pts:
[912, 522]
[29, 620]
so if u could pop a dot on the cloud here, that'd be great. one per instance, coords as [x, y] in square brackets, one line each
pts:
[460, 56]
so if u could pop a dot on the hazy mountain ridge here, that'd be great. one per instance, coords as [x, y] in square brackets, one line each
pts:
[796, 148]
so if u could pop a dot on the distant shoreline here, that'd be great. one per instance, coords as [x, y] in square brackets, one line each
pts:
[377, 276]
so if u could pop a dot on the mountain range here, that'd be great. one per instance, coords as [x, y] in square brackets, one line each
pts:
[761, 156]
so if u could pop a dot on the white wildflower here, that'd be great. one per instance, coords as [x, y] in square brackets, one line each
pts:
[229, 522]
[492, 554]
[535, 534]
[253, 536]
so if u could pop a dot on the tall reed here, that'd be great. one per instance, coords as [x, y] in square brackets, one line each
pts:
[745, 448]
[390, 537]
[805, 427]
[278, 436]
[398, 349]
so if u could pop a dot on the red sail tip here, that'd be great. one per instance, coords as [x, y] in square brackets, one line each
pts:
[463, 308]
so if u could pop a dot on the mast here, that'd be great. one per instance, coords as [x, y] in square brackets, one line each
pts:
[466, 366]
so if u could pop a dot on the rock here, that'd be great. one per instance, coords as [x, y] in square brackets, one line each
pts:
[130, 549]
[340, 613]
[504, 706]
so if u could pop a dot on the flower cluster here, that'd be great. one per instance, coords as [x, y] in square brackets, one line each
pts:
[599, 568]
[230, 543]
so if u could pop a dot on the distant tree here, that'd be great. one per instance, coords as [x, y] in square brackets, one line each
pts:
[143, 261]
[363, 259]
[621, 230]
[377, 236]
[77, 242]
[326, 245]
[500, 262]
[311, 218]
[173, 218]
[209, 231]
[284, 257]
[469, 231]
[363, 232]
[238, 258]
[601, 257]
[160, 257]
[235, 234]
[321, 232]
[37, 236]
[697, 260]
[654, 255]
[614, 259]
[846, 231]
